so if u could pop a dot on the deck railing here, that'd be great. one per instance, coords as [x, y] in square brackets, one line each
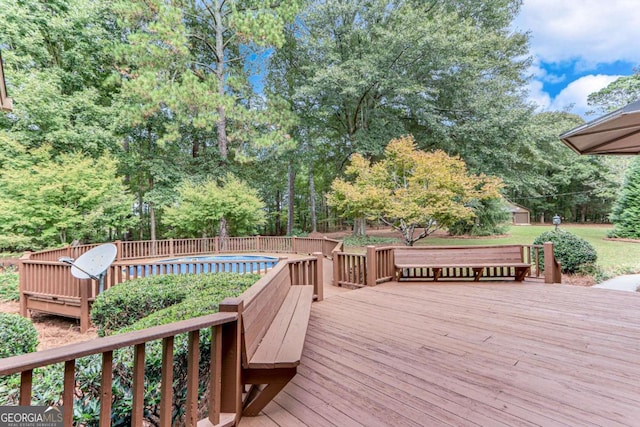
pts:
[377, 266]
[224, 369]
[349, 269]
[224, 390]
[46, 284]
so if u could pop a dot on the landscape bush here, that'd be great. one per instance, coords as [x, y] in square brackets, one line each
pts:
[17, 335]
[492, 218]
[9, 290]
[132, 300]
[369, 240]
[573, 253]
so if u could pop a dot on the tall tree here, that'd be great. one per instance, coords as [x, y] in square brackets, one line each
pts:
[617, 94]
[363, 72]
[188, 63]
[57, 65]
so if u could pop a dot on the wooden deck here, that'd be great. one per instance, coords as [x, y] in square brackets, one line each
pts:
[465, 354]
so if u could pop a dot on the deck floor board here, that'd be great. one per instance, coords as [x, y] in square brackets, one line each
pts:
[466, 354]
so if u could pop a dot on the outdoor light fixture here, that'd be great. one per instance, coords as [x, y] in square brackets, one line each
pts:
[556, 221]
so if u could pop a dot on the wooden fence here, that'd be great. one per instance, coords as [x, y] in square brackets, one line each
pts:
[47, 285]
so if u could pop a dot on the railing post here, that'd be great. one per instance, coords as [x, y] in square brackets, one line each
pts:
[319, 279]
[336, 268]
[84, 304]
[171, 249]
[216, 244]
[118, 250]
[371, 266]
[258, 243]
[231, 380]
[293, 245]
[22, 284]
[549, 264]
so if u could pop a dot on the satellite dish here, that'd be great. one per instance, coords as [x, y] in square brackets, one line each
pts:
[93, 264]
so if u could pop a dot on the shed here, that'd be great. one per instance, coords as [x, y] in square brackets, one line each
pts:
[519, 214]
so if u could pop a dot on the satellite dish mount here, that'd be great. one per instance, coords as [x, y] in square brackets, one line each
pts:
[93, 264]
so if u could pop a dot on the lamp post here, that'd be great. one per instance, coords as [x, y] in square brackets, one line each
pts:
[556, 221]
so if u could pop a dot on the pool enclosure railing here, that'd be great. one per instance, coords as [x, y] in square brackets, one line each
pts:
[46, 284]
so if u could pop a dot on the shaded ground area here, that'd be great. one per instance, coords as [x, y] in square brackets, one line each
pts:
[53, 331]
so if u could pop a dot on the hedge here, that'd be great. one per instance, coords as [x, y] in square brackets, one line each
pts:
[17, 335]
[573, 252]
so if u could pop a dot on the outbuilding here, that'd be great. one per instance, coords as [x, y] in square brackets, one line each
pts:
[519, 214]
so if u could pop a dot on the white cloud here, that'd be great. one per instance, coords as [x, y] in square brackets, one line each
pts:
[574, 97]
[538, 96]
[590, 31]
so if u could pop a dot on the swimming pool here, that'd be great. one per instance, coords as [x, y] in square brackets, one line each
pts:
[206, 264]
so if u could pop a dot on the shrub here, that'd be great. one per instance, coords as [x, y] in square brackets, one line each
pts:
[571, 251]
[492, 218]
[130, 301]
[625, 214]
[9, 285]
[368, 240]
[17, 335]
[205, 292]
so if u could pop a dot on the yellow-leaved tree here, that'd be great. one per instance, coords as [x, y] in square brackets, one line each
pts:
[411, 190]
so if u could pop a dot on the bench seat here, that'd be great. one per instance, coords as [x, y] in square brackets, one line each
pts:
[479, 259]
[274, 317]
[282, 344]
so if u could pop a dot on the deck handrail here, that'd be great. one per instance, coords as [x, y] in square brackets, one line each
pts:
[47, 285]
[224, 369]
[225, 383]
[376, 266]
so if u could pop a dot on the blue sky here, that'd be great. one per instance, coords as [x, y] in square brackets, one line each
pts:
[579, 47]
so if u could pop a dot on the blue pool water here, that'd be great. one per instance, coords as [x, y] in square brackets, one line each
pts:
[207, 264]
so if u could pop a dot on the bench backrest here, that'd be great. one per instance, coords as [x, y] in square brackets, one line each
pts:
[261, 304]
[460, 254]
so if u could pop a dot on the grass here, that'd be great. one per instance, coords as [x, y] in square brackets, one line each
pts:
[614, 257]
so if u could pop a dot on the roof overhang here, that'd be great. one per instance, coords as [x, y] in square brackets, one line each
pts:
[615, 133]
[6, 103]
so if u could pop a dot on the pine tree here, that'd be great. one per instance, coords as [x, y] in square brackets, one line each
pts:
[626, 211]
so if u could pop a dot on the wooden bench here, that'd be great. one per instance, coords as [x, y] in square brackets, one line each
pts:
[274, 320]
[458, 262]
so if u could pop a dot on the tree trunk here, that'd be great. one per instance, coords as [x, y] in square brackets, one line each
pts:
[359, 227]
[222, 235]
[141, 213]
[542, 218]
[278, 213]
[152, 221]
[291, 195]
[152, 214]
[312, 202]
[583, 214]
[222, 119]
